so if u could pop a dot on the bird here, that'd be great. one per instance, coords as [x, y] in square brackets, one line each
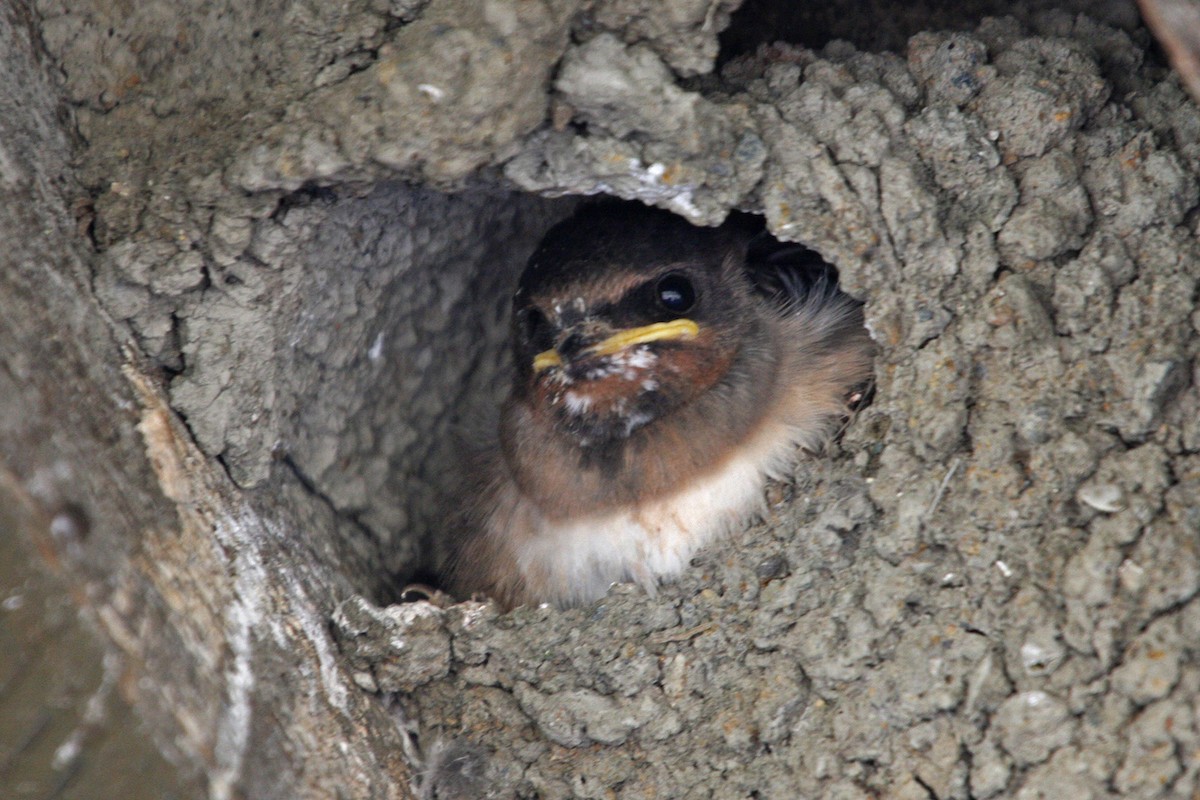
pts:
[661, 373]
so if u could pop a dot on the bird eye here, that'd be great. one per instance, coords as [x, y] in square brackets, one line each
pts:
[675, 293]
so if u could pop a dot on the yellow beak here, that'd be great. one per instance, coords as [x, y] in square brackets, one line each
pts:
[675, 329]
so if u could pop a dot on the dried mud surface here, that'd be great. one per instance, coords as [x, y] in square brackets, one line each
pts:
[986, 588]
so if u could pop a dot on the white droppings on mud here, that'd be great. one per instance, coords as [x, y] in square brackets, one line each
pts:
[1106, 498]
[249, 613]
[243, 616]
[684, 204]
[434, 93]
[474, 614]
[376, 351]
[313, 623]
[94, 713]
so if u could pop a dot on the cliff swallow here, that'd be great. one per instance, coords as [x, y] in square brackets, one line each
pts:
[662, 372]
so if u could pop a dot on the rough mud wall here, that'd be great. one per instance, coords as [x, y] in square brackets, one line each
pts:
[366, 335]
[135, 573]
[247, 231]
[989, 588]
[986, 588]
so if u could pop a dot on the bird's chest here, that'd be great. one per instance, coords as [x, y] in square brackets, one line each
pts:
[575, 559]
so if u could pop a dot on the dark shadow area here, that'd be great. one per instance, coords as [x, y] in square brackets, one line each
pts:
[878, 25]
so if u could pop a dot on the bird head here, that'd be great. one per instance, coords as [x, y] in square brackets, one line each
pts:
[623, 315]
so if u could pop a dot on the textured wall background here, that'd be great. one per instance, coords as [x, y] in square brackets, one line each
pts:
[302, 222]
